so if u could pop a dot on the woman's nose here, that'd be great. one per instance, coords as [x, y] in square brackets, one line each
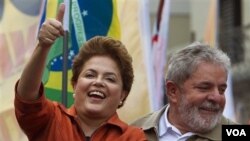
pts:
[98, 82]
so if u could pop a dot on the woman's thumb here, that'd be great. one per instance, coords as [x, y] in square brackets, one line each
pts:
[60, 12]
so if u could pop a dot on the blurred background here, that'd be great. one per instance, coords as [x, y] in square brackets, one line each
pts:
[151, 30]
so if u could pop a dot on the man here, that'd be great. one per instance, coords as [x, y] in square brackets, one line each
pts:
[196, 81]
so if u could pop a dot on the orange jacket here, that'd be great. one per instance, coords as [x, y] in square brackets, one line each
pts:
[44, 120]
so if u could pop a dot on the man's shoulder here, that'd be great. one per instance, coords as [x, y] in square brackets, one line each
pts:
[144, 119]
[149, 120]
[227, 121]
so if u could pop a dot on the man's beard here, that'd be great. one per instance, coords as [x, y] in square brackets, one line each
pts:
[194, 120]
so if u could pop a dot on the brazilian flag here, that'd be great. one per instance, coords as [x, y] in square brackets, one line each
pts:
[88, 18]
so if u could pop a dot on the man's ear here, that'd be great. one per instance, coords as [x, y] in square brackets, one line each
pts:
[172, 91]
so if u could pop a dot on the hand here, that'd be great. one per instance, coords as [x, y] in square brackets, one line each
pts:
[51, 29]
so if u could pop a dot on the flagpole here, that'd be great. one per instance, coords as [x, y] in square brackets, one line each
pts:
[65, 54]
[65, 69]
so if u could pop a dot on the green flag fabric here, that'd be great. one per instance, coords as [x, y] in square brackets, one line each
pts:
[88, 18]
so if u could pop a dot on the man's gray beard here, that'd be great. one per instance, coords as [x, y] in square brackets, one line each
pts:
[192, 118]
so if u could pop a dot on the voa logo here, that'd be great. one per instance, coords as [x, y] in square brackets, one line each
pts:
[236, 132]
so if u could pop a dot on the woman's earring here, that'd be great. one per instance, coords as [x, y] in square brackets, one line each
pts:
[120, 103]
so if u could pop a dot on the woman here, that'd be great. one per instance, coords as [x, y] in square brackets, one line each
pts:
[102, 79]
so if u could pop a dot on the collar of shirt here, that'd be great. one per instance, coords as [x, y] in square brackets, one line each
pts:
[114, 120]
[168, 131]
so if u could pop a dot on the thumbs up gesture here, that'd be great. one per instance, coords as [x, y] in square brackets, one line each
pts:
[51, 29]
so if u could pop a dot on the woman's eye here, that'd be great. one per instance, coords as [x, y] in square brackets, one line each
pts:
[110, 79]
[89, 75]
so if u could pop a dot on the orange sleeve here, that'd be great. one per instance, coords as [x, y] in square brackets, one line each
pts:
[32, 116]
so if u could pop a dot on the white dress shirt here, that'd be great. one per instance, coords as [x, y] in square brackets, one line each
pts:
[168, 132]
